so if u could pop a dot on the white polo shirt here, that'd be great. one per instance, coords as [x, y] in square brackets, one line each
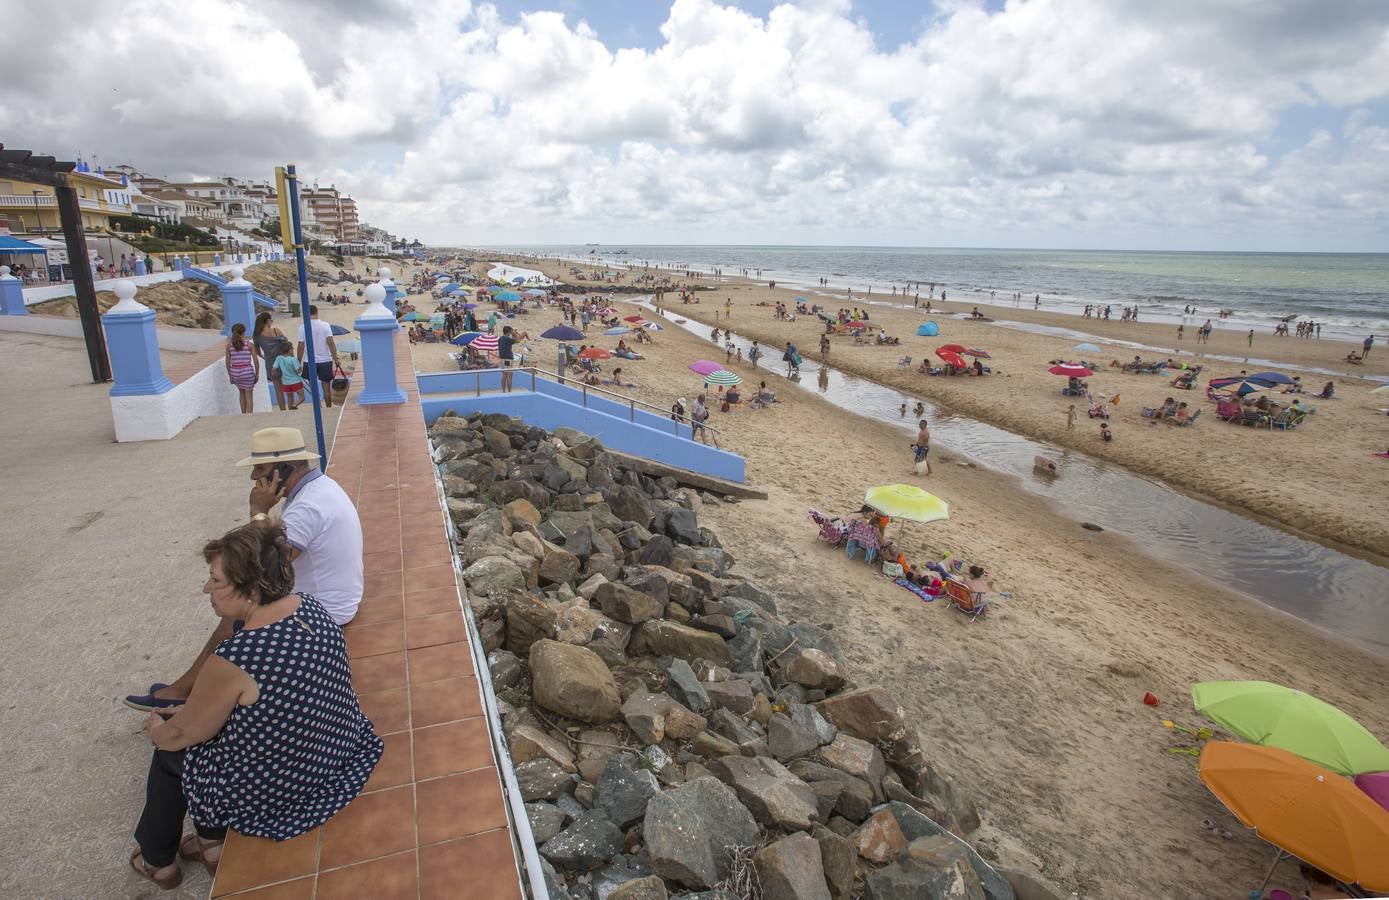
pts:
[322, 523]
[321, 332]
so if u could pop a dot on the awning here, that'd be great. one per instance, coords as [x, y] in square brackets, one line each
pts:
[10, 244]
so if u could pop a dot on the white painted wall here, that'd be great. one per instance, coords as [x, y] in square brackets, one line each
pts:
[159, 417]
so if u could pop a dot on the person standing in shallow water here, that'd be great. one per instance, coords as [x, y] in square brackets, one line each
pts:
[922, 448]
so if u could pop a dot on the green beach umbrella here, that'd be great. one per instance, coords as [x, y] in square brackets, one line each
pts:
[1265, 713]
[723, 376]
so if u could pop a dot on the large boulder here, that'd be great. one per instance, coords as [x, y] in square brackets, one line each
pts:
[546, 820]
[625, 604]
[664, 638]
[521, 514]
[589, 842]
[573, 681]
[870, 713]
[838, 860]
[651, 887]
[915, 826]
[659, 551]
[624, 789]
[498, 444]
[777, 798]
[689, 830]
[735, 695]
[542, 779]
[528, 619]
[683, 685]
[914, 879]
[791, 869]
[559, 567]
[631, 505]
[527, 742]
[679, 524]
[492, 574]
[788, 740]
[858, 758]
[814, 669]
[880, 839]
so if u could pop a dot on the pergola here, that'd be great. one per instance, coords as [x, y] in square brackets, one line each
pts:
[23, 165]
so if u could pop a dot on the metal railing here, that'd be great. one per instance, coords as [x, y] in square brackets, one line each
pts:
[632, 402]
[28, 200]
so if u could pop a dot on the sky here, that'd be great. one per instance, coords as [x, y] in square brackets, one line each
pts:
[1108, 124]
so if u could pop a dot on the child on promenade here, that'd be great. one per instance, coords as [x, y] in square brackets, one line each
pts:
[243, 366]
[291, 375]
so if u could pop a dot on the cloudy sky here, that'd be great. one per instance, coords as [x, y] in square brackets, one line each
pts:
[1183, 124]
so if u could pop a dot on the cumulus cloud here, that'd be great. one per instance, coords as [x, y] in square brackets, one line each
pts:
[1049, 122]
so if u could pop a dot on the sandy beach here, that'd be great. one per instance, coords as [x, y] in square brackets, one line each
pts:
[1320, 480]
[1036, 708]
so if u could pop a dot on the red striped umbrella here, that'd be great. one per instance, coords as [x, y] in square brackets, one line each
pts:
[594, 353]
[487, 342]
[953, 348]
[1071, 370]
[950, 357]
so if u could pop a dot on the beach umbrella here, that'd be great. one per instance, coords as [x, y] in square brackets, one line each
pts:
[1270, 378]
[907, 501]
[651, 326]
[486, 342]
[621, 329]
[519, 279]
[976, 352]
[338, 329]
[1087, 347]
[1239, 385]
[1265, 713]
[562, 333]
[507, 296]
[470, 306]
[350, 345]
[535, 292]
[1071, 370]
[704, 366]
[594, 353]
[411, 316]
[929, 329]
[801, 300]
[951, 357]
[723, 376]
[1302, 809]
[1376, 784]
[466, 338]
[953, 348]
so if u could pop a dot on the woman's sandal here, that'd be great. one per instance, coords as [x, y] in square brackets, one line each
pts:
[193, 849]
[148, 872]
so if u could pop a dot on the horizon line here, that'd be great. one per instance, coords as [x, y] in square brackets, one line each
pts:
[618, 245]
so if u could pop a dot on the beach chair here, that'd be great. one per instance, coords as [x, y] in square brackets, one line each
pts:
[1287, 419]
[972, 605]
[1229, 410]
[1189, 420]
[904, 363]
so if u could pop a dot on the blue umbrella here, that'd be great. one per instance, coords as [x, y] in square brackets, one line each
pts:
[338, 329]
[411, 316]
[800, 300]
[1087, 347]
[1240, 386]
[351, 345]
[1268, 378]
[519, 279]
[451, 286]
[507, 296]
[563, 333]
[466, 338]
[621, 329]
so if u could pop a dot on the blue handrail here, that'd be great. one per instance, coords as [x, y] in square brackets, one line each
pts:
[205, 276]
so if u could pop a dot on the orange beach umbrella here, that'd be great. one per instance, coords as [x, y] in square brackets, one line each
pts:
[1303, 809]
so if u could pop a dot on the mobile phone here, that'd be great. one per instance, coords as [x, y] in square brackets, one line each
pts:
[284, 470]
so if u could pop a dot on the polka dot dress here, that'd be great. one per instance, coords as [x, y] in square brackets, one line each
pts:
[300, 753]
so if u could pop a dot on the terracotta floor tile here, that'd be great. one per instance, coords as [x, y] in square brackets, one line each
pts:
[459, 805]
[376, 503]
[438, 663]
[480, 867]
[298, 889]
[388, 560]
[381, 536]
[422, 531]
[424, 556]
[373, 825]
[432, 602]
[388, 878]
[435, 702]
[378, 673]
[396, 766]
[428, 576]
[375, 610]
[389, 711]
[382, 584]
[452, 747]
[426, 631]
[373, 640]
[251, 861]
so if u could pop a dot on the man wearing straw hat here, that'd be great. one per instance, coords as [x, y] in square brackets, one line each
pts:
[322, 526]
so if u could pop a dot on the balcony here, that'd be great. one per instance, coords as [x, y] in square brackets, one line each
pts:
[14, 201]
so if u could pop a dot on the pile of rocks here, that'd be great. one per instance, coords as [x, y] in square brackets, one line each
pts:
[672, 733]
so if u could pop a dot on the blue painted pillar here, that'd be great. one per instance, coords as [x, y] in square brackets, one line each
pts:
[140, 267]
[187, 263]
[216, 259]
[237, 305]
[392, 292]
[178, 264]
[133, 346]
[240, 259]
[377, 326]
[11, 294]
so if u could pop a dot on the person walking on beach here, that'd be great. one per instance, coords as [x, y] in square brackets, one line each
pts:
[325, 353]
[699, 414]
[921, 449]
[1369, 342]
[1251, 337]
[243, 367]
[824, 346]
[268, 341]
[507, 356]
[1071, 417]
[792, 359]
[1181, 329]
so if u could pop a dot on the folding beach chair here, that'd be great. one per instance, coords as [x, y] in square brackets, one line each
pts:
[972, 605]
[904, 363]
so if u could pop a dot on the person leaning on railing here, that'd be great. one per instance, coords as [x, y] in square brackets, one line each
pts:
[271, 741]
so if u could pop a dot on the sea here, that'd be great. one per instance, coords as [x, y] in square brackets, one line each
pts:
[1346, 293]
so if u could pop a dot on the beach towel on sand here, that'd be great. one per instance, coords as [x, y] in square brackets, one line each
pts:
[915, 589]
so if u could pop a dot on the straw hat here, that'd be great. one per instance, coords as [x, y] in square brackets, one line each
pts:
[277, 445]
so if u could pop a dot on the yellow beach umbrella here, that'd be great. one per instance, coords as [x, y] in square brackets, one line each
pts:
[907, 501]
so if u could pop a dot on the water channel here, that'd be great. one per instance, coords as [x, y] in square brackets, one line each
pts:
[1334, 591]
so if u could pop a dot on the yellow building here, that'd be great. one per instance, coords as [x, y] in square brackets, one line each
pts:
[33, 208]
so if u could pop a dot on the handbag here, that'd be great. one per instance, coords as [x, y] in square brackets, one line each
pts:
[339, 385]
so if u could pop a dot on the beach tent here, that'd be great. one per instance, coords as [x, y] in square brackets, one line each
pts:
[930, 329]
[507, 296]
[13, 245]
